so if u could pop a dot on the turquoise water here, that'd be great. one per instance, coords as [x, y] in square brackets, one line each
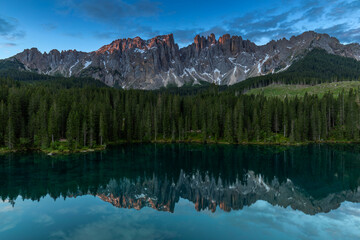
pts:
[183, 191]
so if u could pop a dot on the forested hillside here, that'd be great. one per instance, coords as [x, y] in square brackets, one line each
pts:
[38, 116]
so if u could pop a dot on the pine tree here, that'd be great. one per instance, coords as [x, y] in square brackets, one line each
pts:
[73, 129]
[228, 128]
[103, 130]
[53, 122]
[84, 131]
[10, 133]
[3, 122]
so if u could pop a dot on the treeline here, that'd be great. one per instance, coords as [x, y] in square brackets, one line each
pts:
[38, 116]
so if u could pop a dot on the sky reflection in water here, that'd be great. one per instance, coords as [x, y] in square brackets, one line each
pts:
[88, 217]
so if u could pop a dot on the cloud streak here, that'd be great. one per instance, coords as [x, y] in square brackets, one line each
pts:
[337, 18]
[7, 45]
[49, 26]
[9, 29]
[120, 16]
[112, 10]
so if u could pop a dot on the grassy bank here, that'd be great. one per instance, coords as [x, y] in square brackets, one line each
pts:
[68, 150]
[282, 90]
[54, 149]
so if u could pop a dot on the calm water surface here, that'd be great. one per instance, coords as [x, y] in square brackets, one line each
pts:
[183, 192]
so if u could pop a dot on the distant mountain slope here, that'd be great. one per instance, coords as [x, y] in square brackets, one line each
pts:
[316, 66]
[14, 70]
[320, 64]
[159, 62]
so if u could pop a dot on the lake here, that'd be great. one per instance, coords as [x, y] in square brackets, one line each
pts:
[183, 191]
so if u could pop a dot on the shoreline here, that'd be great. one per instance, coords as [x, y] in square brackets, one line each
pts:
[52, 152]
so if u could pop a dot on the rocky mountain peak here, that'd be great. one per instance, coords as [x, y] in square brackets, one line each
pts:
[228, 43]
[137, 43]
[224, 39]
[162, 39]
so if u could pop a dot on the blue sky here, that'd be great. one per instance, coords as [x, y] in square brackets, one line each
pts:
[86, 25]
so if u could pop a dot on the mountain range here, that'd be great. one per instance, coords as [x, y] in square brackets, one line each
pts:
[158, 62]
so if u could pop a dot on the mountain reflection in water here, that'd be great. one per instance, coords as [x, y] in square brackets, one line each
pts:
[312, 179]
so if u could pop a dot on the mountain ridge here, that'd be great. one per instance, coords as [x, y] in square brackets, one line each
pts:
[158, 62]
